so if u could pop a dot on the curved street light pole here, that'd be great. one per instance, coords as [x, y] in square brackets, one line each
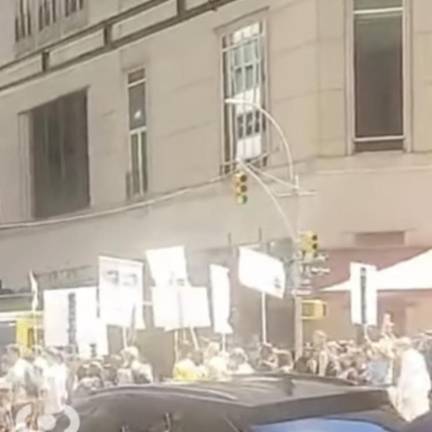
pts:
[293, 232]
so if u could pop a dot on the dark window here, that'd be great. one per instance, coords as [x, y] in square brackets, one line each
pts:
[47, 13]
[73, 6]
[378, 69]
[23, 21]
[60, 156]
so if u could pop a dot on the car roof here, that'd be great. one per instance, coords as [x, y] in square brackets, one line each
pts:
[255, 391]
[246, 400]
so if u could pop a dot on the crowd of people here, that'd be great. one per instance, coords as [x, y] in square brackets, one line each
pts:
[49, 379]
[378, 359]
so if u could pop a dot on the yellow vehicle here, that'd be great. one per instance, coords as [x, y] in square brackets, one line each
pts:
[22, 328]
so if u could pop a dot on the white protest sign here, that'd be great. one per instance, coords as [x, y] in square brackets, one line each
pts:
[168, 266]
[88, 328]
[364, 297]
[221, 299]
[165, 303]
[262, 272]
[180, 307]
[55, 318]
[195, 307]
[121, 291]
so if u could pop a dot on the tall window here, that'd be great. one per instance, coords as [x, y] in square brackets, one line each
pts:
[73, 6]
[23, 19]
[47, 13]
[244, 80]
[137, 176]
[60, 156]
[378, 73]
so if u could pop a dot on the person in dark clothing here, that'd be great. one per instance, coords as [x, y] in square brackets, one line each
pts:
[303, 363]
[268, 360]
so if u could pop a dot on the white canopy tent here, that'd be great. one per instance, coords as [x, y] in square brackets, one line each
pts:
[412, 274]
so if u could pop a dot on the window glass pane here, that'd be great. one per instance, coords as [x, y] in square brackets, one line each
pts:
[238, 86]
[378, 75]
[249, 52]
[251, 77]
[137, 115]
[376, 4]
[236, 57]
[135, 164]
[240, 126]
[250, 123]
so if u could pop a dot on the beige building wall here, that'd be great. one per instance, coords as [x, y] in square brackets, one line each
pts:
[309, 85]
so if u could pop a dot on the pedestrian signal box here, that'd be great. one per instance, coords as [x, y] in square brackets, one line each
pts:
[314, 309]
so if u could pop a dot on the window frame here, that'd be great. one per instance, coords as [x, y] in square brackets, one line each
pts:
[228, 164]
[138, 132]
[379, 144]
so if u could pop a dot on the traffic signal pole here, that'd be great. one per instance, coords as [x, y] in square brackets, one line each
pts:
[293, 229]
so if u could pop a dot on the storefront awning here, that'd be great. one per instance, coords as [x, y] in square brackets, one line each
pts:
[398, 269]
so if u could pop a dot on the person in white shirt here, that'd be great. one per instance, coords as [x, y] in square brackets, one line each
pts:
[19, 375]
[54, 392]
[215, 363]
[133, 370]
[239, 364]
[411, 396]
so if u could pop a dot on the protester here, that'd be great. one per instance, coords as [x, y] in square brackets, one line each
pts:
[20, 377]
[378, 367]
[133, 371]
[6, 418]
[238, 363]
[95, 372]
[285, 362]
[216, 364]
[305, 363]
[411, 396]
[198, 359]
[54, 392]
[322, 357]
[185, 369]
[268, 360]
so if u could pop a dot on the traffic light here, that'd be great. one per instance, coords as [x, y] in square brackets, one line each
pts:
[313, 310]
[309, 244]
[241, 187]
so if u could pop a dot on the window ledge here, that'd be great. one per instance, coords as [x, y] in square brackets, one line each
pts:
[378, 144]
